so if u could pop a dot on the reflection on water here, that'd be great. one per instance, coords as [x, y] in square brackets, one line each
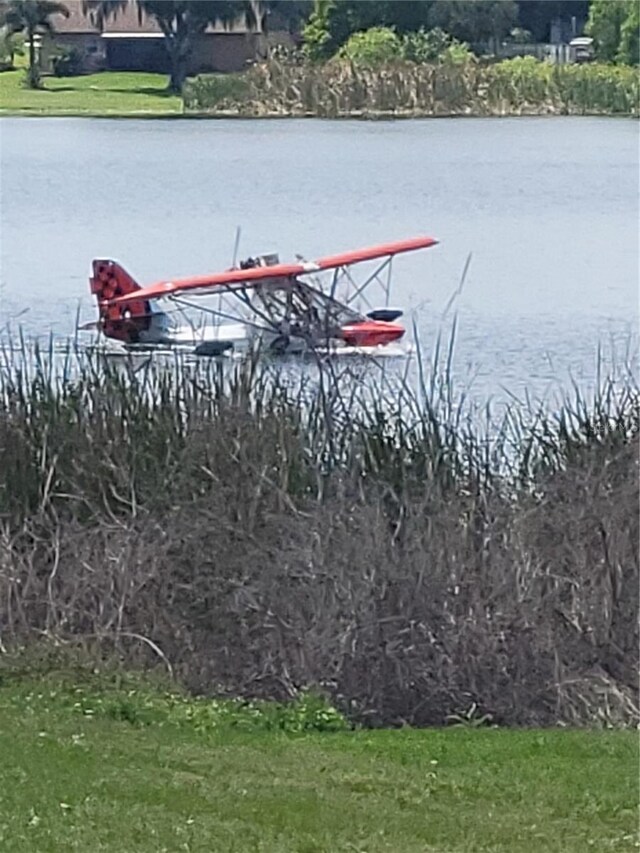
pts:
[548, 208]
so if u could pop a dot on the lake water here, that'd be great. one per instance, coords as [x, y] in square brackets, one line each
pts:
[548, 208]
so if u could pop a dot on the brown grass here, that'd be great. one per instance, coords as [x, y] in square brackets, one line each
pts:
[338, 88]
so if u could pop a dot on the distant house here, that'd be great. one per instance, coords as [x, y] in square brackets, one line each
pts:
[128, 43]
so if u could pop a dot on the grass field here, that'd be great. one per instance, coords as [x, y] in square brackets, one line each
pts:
[121, 771]
[110, 93]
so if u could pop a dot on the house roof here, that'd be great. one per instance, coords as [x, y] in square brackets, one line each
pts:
[126, 22]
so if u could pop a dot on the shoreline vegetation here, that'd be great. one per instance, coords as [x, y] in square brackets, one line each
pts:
[414, 559]
[340, 89]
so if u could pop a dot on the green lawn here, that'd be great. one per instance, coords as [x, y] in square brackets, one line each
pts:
[75, 776]
[108, 93]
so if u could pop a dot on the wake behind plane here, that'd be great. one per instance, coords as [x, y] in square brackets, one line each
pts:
[286, 308]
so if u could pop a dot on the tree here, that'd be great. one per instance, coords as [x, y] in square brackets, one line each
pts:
[320, 40]
[614, 27]
[179, 23]
[290, 14]
[32, 18]
[538, 15]
[474, 20]
[435, 46]
[334, 21]
[629, 48]
[372, 47]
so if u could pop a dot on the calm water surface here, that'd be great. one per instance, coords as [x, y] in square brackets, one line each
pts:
[548, 208]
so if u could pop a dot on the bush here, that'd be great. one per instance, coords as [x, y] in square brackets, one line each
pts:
[374, 47]
[68, 63]
[48, 677]
[521, 80]
[597, 88]
[212, 90]
[435, 45]
[458, 53]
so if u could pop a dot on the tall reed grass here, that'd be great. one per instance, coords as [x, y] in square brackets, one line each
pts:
[260, 536]
[521, 86]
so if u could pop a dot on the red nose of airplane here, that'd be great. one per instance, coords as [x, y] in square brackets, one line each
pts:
[371, 333]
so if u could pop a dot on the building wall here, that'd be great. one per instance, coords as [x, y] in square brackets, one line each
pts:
[135, 54]
[220, 52]
[223, 52]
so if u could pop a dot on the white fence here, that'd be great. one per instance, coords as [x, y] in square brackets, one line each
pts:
[556, 53]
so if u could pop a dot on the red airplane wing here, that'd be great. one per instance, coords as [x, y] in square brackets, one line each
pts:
[234, 279]
[373, 252]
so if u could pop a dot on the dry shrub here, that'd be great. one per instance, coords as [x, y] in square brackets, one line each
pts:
[265, 551]
[339, 88]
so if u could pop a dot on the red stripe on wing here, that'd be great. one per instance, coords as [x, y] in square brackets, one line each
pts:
[203, 282]
[255, 274]
[381, 251]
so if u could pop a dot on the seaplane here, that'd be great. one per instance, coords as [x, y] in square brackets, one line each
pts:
[285, 307]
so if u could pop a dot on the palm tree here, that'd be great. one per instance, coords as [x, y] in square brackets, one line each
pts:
[32, 18]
